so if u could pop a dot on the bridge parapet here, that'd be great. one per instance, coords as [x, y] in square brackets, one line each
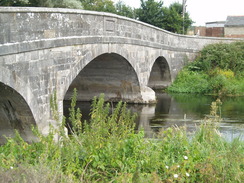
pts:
[24, 29]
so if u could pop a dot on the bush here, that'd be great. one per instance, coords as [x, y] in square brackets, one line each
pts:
[190, 82]
[218, 70]
[224, 56]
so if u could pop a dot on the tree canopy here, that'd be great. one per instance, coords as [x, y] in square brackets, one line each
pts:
[99, 5]
[43, 3]
[151, 12]
[169, 18]
[124, 10]
[173, 19]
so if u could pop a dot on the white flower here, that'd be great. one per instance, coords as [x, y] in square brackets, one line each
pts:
[176, 176]
[11, 167]
[187, 174]
[185, 157]
[167, 167]
[178, 166]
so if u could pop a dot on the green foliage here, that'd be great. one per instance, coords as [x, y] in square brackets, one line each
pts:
[173, 20]
[124, 10]
[43, 3]
[14, 2]
[169, 18]
[99, 5]
[107, 149]
[74, 115]
[151, 12]
[56, 3]
[190, 82]
[218, 70]
[222, 55]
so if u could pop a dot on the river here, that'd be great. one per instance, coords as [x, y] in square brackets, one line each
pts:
[179, 109]
[184, 110]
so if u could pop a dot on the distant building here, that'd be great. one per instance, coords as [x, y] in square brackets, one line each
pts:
[234, 27]
[215, 29]
[212, 29]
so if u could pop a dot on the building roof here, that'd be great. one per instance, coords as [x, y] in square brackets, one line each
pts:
[234, 21]
[215, 24]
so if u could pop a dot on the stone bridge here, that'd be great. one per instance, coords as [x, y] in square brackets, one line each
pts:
[43, 51]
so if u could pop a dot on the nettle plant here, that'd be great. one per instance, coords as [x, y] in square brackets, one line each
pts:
[107, 148]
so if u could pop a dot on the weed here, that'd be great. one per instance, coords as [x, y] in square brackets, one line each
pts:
[107, 149]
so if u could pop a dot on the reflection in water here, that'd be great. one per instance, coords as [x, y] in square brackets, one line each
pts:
[183, 110]
[189, 110]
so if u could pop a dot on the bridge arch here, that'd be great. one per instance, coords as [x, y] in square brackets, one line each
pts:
[15, 114]
[160, 76]
[108, 73]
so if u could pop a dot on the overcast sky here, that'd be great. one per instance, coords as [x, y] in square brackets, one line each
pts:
[202, 11]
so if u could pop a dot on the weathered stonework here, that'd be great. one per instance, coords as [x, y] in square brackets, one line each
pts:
[43, 50]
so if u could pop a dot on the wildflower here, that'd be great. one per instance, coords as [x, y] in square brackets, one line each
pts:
[176, 176]
[167, 167]
[178, 166]
[11, 167]
[187, 174]
[185, 157]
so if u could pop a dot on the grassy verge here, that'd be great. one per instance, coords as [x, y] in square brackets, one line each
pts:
[218, 70]
[109, 150]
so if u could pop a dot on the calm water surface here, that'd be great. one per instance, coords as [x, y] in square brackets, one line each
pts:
[184, 110]
[179, 109]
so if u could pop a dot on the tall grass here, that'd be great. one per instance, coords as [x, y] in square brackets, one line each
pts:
[107, 149]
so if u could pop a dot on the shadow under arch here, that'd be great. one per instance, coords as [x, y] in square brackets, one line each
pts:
[15, 114]
[108, 73]
[160, 76]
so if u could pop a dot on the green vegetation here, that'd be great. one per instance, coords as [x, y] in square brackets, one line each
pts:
[43, 3]
[174, 21]
[151, 11]
[107, 149]
[169, 18]
[218, 70]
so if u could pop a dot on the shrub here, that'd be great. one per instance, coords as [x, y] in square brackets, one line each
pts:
[218, 70]
[190, 82]
[225, 56]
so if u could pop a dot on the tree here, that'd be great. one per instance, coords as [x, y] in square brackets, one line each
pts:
[43, 3]
[99, 5]
[14, 2]
[56, 3]
[124, 10]
[169, 18]
[173, 19]
[151, 12]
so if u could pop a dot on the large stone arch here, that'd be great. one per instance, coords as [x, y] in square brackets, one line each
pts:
[108, 73]
[16, 106]
[160, 76]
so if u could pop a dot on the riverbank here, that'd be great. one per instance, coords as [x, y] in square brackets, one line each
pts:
[109, 150]
[218, 70]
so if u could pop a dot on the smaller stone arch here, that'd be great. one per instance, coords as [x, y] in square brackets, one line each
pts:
[160, 76]
[15, 114]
